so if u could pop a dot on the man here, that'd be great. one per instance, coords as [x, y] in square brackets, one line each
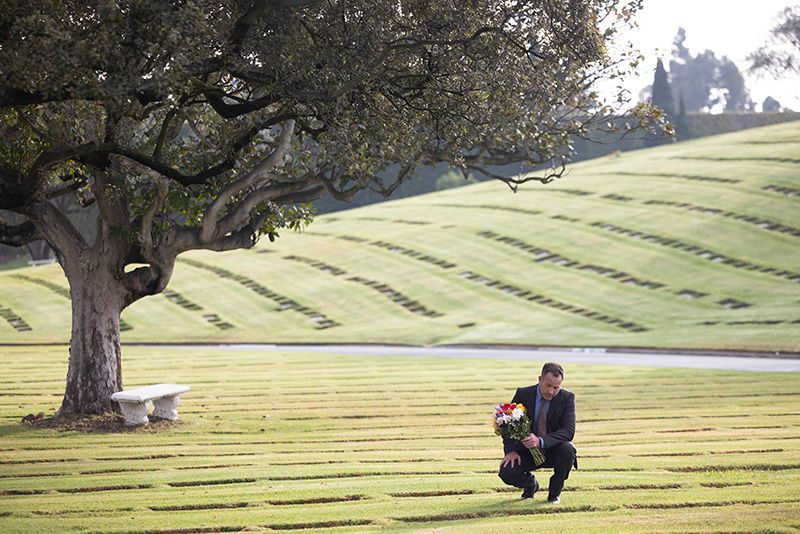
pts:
[552, 413]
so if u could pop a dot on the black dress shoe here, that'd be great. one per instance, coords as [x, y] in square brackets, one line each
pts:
[528, 492]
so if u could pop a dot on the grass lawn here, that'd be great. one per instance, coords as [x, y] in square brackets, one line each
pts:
[304, 441]
[693, 244]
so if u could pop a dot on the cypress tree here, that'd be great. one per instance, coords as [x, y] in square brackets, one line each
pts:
[681, 123]
[662, 94]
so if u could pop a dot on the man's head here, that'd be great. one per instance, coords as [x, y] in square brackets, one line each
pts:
[550, 380]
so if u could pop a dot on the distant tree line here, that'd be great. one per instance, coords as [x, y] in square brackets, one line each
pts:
[704, 83]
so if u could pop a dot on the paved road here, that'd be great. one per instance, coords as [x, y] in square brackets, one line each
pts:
[731, 363]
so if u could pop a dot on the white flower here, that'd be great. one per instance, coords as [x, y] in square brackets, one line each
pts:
[506, 419]
[516, 413]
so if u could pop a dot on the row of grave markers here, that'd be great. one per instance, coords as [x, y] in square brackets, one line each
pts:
[783, 190]
[545, 255]
[764, 224]
[397, 297]
[691, 177]
[391, 247]
[543, 300]
[765, 322]
[392, 294]
[491, 207]
[213, 318]
[321, 320]
[697, 250]
[17, 323]
[64, 292]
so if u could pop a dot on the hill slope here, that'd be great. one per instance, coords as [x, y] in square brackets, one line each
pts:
[688, 245]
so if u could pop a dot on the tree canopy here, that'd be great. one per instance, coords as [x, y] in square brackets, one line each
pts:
[207, 124]
[781, 55]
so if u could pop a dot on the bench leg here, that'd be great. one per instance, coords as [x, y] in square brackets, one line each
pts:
[166, 408]
[135, 413]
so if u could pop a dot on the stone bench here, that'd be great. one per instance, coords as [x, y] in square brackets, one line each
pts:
[134, 403]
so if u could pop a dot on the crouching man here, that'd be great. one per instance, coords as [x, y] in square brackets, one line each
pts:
[552, 413]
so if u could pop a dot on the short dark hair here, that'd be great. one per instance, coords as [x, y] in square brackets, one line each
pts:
[553, 369]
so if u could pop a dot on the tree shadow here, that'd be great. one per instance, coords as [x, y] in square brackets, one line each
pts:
[91, 424]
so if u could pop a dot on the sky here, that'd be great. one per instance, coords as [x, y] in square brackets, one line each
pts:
[729, 28]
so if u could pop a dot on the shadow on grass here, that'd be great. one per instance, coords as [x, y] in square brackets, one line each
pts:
[512, 507]
[101, 424]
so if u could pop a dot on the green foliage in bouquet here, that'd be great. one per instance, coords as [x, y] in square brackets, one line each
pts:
[511, 421]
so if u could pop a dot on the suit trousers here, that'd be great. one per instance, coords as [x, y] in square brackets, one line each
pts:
[559, 458]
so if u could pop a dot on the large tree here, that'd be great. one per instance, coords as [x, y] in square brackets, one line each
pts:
[205, 124]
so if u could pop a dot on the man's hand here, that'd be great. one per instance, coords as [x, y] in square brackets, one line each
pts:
[511, 458]
[531, 441]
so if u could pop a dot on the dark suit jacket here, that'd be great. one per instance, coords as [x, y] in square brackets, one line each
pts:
[560, 417]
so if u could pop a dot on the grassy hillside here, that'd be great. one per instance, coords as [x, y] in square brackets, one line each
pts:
[688, 245]
[307, 441]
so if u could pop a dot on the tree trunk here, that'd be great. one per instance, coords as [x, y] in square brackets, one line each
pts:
[95, 370]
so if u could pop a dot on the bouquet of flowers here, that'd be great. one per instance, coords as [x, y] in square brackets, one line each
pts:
[512, 422]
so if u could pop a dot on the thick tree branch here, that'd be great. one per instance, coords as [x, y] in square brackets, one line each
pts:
[18, 235]
[63, 189]
[241, 227]
[113, 220]
[244, 238]
[206, 174]
[246, 22]
[182, 239]
[112, 210]
[58, 231]
[212, 212]
[172, 173]
[144, 281]
[13, 96]
[60, 154]
[343, 196]
[146, 235]
[231, 111]
[402, 175]
[162, 134]
[309, 195]
[241, 212]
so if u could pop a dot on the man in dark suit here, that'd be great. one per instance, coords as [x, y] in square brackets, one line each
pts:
[552, 413]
